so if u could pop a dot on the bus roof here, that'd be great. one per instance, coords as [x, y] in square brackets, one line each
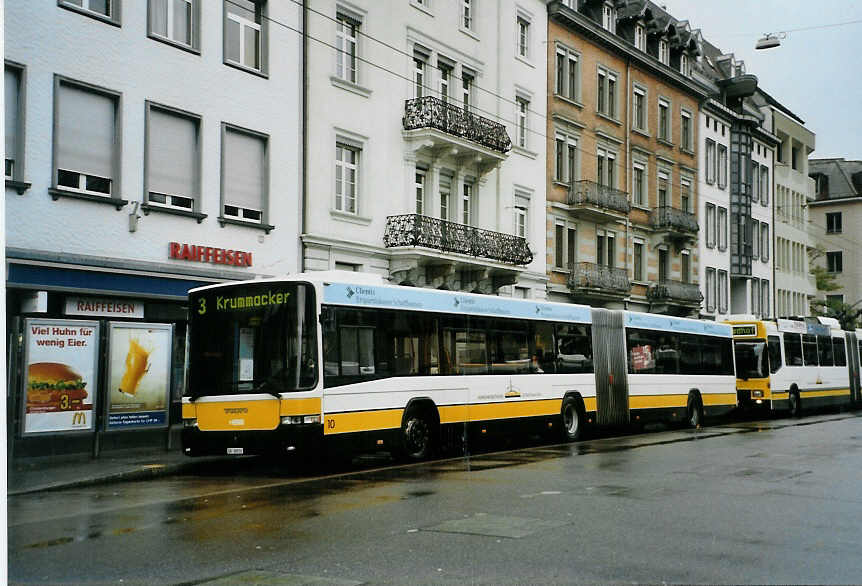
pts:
[654, 321]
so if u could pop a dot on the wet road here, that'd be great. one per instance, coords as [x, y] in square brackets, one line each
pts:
[746, 502]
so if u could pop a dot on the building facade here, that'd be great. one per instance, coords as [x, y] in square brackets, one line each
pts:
[425, 158]
[151, 147]
[835, 219]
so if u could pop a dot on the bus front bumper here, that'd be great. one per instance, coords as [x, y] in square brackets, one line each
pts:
[281, 440]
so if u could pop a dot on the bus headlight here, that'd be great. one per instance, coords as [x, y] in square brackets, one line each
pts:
[311, 419]
[190, 422]
[291, 420]
[756, 393]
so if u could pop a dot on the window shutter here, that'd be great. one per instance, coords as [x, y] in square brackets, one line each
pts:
[10, 80]
[244, 171]
[86, 132]
[172, 157]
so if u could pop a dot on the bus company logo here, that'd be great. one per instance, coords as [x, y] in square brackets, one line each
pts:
[513, 391]
[235, 410]
[350, 292]
[366, 291]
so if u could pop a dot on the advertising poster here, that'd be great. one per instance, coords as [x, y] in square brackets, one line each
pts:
[139, 368]
[61, 375]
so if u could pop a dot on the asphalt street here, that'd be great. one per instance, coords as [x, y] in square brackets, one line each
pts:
[777, 501]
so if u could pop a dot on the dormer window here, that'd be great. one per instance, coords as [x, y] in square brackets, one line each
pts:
[683, 65]
[663, 53]
[640, 37]
[609, 17]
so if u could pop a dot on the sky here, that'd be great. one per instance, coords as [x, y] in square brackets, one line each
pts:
[816, 74]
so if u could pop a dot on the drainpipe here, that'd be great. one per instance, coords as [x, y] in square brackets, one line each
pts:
[630, 179]
[303, 201]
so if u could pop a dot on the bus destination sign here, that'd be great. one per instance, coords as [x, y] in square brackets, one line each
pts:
[745, 330]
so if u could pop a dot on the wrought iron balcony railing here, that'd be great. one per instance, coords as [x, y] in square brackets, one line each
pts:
[431, 112]
[418, 230]
[588, 275]
[602, 196]
[666, 217]
[675, 291]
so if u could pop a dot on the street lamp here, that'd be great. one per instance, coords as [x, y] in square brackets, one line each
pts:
[769, 41]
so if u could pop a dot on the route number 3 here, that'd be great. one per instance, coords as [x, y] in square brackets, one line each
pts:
[202, 306]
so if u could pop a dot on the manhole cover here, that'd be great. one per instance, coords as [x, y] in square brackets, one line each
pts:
[496, 526]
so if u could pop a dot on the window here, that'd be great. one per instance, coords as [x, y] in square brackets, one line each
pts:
[467, 14]
[794, 157]
[710, 290]
[663, 194]
[523, 128]
[568, 74]
[173, 159]
[686, 139]
[523, 38]
[834, 262]
[245, 34]
[566, 150]
[445, 76]
[685, 266]
[824, 351]
[606, 248]
[606, 168]
[638, 260]
[835, 299]
[640, 108]
[418, 77]
[420, 191]
[606, 96]
[663, 264]
[685, 195]
[467, 205]
[609, 17]
[710, 225]
[833, 221]
[574, 351]
[345, 48]
[773, 344]
[14, 116]
[664, 120]
[466, 90]
[640, 37]
[663, 53]
[639, 184]
[755, 296]
[839, 352]
[445, 195]
[764, 185]
[176, 21]
[684, 66]
[722, 291]
[754, 227]
[722, 166]
[565, 239]
[86, 139]
[809, 350]
[107, 10]
[245, 164]
[346, 177]
[764, 297]
[792, 349]
[764, 242]
[722, 228]
[521, 208]
[710, 161]
[755, 182]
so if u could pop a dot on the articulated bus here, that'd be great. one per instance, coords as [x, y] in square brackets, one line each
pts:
[285, 364]
[788, 363]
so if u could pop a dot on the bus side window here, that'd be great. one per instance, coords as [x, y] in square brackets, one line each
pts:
[824, 350]
[508, 344]
[792, 350]
[690, 361]
[773, 345]
[330, 346]
[543, 348]
[574, 348]
[667, 355]
[839, 351]
[809, 349]
[641, 346]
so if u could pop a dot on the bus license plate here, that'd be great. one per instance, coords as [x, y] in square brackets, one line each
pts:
[234, 451]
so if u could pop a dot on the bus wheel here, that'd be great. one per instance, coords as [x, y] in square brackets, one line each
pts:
[795, 404]
[695, 412]
[573, 420]
[416, 436]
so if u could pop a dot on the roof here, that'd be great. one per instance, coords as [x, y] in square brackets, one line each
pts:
[844, 177]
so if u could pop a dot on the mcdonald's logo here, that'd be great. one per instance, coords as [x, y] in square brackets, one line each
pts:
[79, 418]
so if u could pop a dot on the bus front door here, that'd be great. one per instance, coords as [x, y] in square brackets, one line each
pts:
[609, 359]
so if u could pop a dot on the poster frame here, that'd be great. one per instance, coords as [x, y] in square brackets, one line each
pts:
[28, 323]
[109, 375]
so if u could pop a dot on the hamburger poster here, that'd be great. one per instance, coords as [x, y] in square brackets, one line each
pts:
[60, 382]
[139, 374]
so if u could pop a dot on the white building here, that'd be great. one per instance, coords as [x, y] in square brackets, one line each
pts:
[794, 190]
[426, 156]
[148, 144]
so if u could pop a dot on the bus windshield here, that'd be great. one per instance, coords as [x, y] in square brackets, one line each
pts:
[252, 338]
[751, 359]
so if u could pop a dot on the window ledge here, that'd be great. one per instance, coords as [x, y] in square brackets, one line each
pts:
[265, 227]
[608, 118]
[421, 8]
[19, 186]
[641, 132]
[525, 60]
[686, 151]
[90, 13]
[559, 183]
[468, 32]
[348, 217]
[642, 207]
[176, 44]
[644, 283]
[724, 249]
[250, 70]
[571, 101]
[147, 208]
[350, 86]
[664, 141]
[526, 152]
[561, 270]
[114, 201]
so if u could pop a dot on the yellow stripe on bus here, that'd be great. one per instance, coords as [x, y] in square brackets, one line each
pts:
[361, 421]
[486, 411]
[829, 393]
[719, 399]
[657, 401]
[307, 406]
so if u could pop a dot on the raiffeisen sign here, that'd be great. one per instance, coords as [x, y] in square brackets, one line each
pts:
[209, 254]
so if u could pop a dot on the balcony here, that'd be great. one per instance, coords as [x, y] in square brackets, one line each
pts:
[589, 278]
[679, 225]
[675, 292]
[414, 230]
[597, 203]
[443, 128]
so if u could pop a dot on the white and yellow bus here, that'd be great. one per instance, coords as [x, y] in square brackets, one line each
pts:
[281, 364]
[788, 363]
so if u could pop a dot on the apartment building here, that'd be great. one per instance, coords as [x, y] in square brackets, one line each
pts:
[151, 147]
[835, 220]
[623, 146]
[426, 155]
